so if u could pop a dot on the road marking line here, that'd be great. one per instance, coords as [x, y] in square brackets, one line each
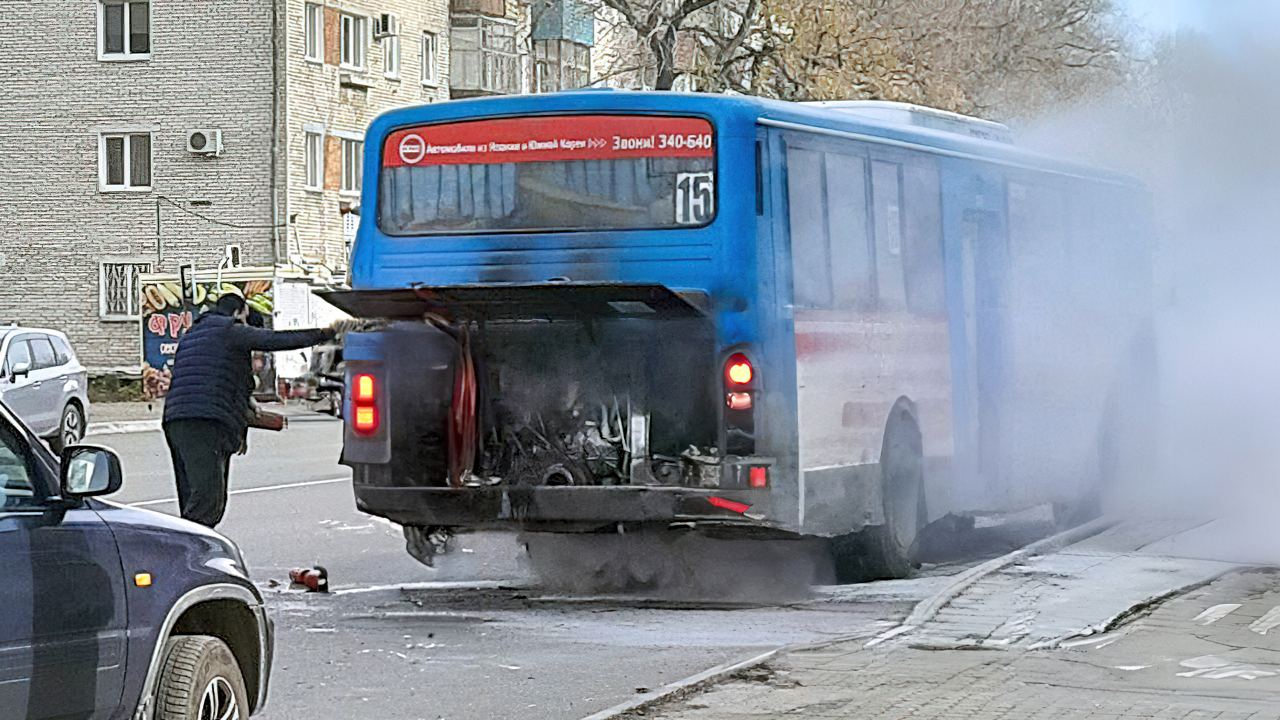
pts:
[1101, 640]
[436, 585]
[246, 491]
[1216, 668]
[889, 635]
[1216, 613]
[1267, 622]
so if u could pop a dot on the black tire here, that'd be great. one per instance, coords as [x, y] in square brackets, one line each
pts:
[71, 428]
[888, 551]
[198, 679]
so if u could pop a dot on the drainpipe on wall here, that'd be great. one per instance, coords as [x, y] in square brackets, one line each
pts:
[159, 242]
[275, 130]
[290, 218]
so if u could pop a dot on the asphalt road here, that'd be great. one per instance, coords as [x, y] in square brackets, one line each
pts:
[476, 637]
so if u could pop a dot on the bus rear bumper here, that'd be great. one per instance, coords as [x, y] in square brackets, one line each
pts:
[570, 507]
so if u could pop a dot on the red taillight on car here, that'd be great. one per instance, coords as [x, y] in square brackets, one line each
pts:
[364, 401]
[738, 371]
[758, 477]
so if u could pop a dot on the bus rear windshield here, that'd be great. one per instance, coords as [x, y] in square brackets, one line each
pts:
[565, 172]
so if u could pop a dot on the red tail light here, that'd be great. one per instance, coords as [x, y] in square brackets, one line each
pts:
[366, 422]
[738, 401]
[758, 477]
[364, 401]
[738, 370]
[365, 390]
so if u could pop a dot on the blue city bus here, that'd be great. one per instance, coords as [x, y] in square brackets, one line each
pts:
[603, 310]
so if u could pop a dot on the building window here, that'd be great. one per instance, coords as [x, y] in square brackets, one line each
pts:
[314, 161]
[560, 65]
[352, 165]
[353, 38]
[124, 30]
[483, 55]
[124, 161]
[118, 289]
[391, 56]
[430, 51]
[350, 226]
[313, 30]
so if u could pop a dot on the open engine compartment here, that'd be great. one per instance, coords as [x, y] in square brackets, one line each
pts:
[565, 402]
[595, 402]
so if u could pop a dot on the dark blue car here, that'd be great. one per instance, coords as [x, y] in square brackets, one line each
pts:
[110, 612]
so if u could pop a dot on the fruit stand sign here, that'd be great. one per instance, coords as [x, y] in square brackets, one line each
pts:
[167, 315]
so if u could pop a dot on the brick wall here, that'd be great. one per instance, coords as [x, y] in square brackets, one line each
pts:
[210, 67]
[317, 100]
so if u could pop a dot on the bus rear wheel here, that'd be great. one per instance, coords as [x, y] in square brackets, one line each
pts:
[887, 551]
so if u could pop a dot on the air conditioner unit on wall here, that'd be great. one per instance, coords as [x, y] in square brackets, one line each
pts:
[204, 142]
[386, 26]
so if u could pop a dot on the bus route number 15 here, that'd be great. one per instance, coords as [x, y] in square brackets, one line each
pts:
[695, 198]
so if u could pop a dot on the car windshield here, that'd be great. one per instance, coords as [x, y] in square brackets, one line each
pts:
[15, 437]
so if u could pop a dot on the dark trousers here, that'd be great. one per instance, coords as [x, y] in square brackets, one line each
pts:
[201, 451]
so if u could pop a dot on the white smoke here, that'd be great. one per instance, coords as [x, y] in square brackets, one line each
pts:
[1197, 123]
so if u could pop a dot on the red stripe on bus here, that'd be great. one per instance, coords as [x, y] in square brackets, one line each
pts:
[549, 139]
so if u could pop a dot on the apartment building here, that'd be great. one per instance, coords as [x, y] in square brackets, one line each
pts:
[139, 135]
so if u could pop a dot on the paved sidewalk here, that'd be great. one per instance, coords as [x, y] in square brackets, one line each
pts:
[114, 412]
[1079, 590]
[1168, 665]
[1108, 628]
[129, 417]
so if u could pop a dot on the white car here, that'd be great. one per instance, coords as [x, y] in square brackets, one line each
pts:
[43, 383]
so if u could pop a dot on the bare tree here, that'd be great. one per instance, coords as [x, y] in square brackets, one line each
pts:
[653, 42]
[1005, 59]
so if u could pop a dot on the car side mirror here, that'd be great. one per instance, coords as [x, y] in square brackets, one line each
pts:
[21, 369]
[88, 471]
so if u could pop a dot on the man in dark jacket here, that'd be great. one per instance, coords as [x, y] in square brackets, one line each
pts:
[206, 411]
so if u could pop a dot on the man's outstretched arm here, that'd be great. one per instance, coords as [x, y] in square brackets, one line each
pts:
[261, 339]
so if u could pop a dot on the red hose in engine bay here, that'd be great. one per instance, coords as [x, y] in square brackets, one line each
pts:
[462, 414]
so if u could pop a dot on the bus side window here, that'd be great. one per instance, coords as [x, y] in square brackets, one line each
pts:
[810, 257]
[886, 192]
[846, 178]
[926, 282]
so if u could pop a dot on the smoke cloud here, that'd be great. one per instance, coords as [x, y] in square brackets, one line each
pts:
[1196, 123]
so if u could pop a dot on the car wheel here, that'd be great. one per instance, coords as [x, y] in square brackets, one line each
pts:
[70, 428]
[200, 680]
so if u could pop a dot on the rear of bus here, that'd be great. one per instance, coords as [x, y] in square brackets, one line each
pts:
[572, 333]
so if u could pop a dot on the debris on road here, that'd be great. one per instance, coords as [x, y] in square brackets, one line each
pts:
[314, 579]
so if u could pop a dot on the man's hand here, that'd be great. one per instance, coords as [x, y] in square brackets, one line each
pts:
[342, 327]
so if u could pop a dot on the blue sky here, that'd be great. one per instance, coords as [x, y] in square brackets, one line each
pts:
[1168, 15]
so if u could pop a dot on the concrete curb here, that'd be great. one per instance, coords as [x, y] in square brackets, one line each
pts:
[126, 427]
[713, 675]
[122, 427]
[1146, 607]
[926, 609]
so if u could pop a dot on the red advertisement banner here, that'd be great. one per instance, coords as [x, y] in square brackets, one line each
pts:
[549, 139]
